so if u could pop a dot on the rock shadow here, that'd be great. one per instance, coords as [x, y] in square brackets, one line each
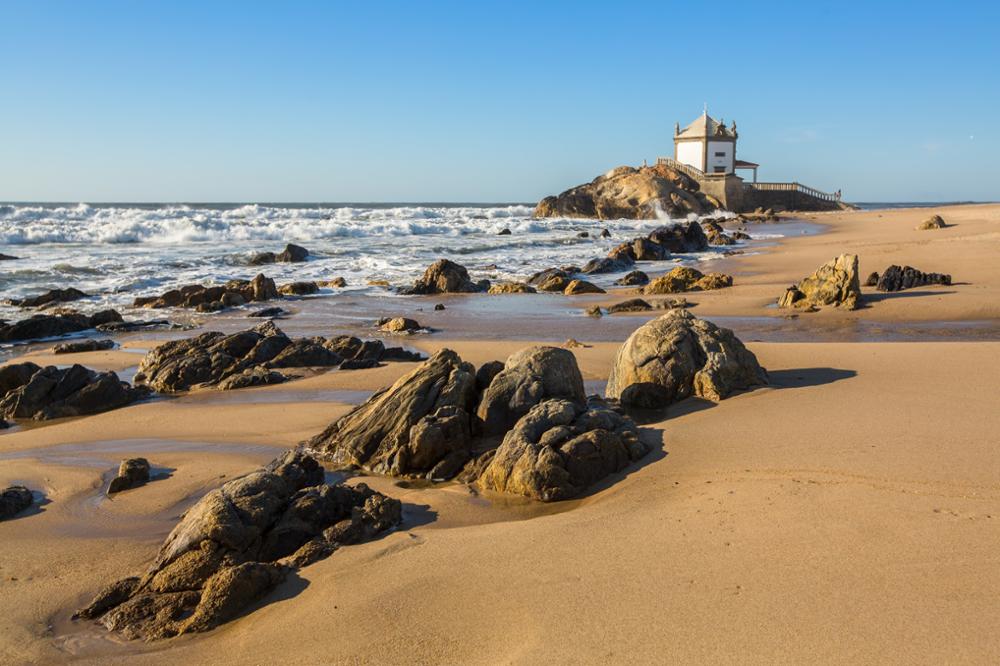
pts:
[879, 296]
[802, 377]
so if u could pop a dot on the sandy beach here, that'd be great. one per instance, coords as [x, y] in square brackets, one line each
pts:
[847, 512]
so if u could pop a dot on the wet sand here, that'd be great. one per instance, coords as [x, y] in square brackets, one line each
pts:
[848, 512]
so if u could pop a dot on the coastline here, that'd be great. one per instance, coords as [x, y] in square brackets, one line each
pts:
[856, 495]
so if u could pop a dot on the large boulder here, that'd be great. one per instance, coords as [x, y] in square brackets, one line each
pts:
[409, 428]
[897, 278]
[14, 500]
[680, 237]
[835, 283]
[529, 376]
[626, 192]
[51, 392]
[236, 544]
[677, 356]
[559, 448]
[445, 277]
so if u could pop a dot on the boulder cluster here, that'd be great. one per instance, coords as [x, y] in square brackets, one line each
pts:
[29, 391]
[641, 193]
[253, 358]
[677, 356]
[291, 254]
[897, 278]
[835, 283]
[212, 299]
[236, 544]
[444, 419]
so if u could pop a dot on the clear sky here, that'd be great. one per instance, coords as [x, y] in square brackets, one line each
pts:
[481, 101]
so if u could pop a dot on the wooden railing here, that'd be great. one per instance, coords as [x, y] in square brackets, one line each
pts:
[695, 173]
[793, 187]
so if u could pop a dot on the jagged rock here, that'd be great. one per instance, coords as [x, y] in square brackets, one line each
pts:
[511, 288]
[399, 325]
[386, 433]
[684, 278]
[444, 276]
[51, 392]
[635, 278]
[132, 472]
[291, 253]
[582, 287]
[684, 356]
[631, 305]
[236, 544]
[627, 192]
[835, 283]
[83, 346]
[933, 222]
[255, 376]
[351, 347]
[897, 278]
[559, 448]
[14, 500]
[680, 237]
[305, 353]
[594, 311]
[53, 325]
[529, 376]
[872, 279]
[298, 289]
[50, 297]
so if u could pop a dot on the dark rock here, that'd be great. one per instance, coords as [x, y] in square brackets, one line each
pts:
[439, 306]
[632, 279]
[50, 392]
[360, 364]
[132, 472]
[268, 312]
[631, 305]
[680, 237]
[594, 311]
[605, 233]
[258, 375]
[83, 346]
[485, 374]
[304, 353]
[293, 253]
[583, 234]
[7, 257]
[443, 277]
[872, 280]
[400, 354]
[897, 278]
[607, 265]
[399, 325]
[213, 298]
[298, 289]
[14, 500]
[49, 297]
[130, 326]
[236, 544]
[54, 325]
[504, 232]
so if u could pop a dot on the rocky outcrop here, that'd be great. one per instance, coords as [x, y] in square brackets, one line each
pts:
[53, 325]
[83, 346]
[446, 277]
[684, 278]
[246, 358]
[419, 426]
[50, 297]
[14, 500]
[214, 298]
[677, 356]
[835, 283]
[33, 392]
[559, 448]
[291, 253]
[529, 376]
[236, 544]
[627, 192]
[897, 278]
[132, 473]
[933, 222]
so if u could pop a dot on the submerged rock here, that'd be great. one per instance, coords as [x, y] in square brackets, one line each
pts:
[50, 297]
[32, 392]
[897, 278]
[291, 253]
[83, 346]
[7, 257]
[559, 448]
[236, 544]
[677, 356]
[443, 277]
[835, 283]
[14, 500]
[132, 473]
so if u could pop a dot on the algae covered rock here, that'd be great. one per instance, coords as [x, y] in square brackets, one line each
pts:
[678, 356]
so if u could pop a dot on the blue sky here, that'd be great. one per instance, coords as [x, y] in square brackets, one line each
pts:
[480, 101]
